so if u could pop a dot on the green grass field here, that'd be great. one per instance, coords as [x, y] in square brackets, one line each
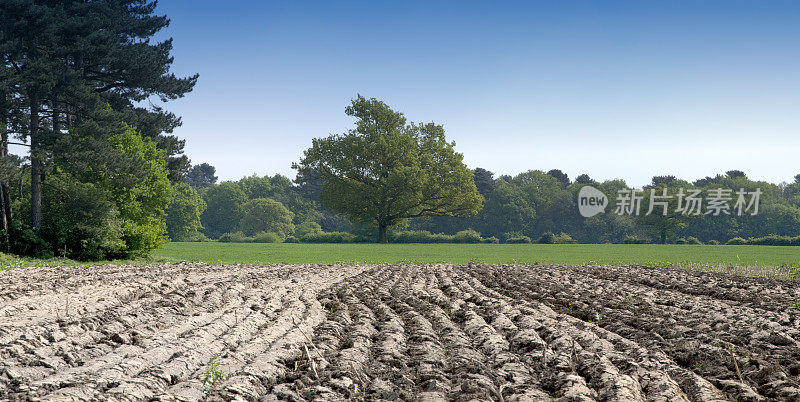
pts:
[764, 261]
[646, 254]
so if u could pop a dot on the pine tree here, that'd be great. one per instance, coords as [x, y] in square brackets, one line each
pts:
[75, 63]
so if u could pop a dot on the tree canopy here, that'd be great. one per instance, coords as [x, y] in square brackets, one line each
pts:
[266, 215]
[201, 176]
[183, 214]
[385, 171]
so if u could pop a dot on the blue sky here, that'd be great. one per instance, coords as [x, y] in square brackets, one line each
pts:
[613, 89]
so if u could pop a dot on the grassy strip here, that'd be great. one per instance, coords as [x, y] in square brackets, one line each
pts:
[10, 261]
[757, 261]
[567, 254]
[773, 272]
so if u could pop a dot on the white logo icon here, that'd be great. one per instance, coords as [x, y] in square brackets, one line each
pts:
[591, 201]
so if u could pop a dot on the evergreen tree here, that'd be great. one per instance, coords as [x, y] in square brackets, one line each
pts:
[74, 63]
[201, 176]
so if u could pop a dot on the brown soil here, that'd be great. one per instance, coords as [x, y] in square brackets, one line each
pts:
[435, 332]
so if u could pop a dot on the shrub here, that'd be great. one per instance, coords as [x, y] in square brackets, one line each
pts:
[513, 234]
[307, 228]
[736, 241]
[518, 240]
[774, 240]
[267, 237]
[260, 237]
[770, 240]
[24, 241]
[80, 221]
[401, 236]
[291, 239]
[680, 240]
[413, 236]
[635, 240]
[467, 236]
[547, 238]
[563, 238]
[441, 238]
[424, 236]
[199, 237]
[362, 239]
[235, 237]
[713, 242]
[329, 237]
[693, 240]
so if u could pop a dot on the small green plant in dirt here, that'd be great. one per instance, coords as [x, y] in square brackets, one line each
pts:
[597, 317]
[213, 375]
[795, 304]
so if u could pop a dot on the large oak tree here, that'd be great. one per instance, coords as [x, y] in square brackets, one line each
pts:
[386, 171]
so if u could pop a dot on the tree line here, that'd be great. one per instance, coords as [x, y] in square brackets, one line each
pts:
[391, 180]
[533, 206]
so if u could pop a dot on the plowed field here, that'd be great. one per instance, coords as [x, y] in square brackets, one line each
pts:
[396, 333]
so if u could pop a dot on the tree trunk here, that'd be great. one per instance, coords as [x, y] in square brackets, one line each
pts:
[21, 181]
[5, 186]
[5, 199]
[36, 167]
[56, 120]
[382, 233]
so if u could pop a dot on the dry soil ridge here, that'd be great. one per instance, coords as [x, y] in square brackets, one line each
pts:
[405, 332]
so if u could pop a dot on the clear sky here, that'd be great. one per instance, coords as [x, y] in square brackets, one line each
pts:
[613, 89]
